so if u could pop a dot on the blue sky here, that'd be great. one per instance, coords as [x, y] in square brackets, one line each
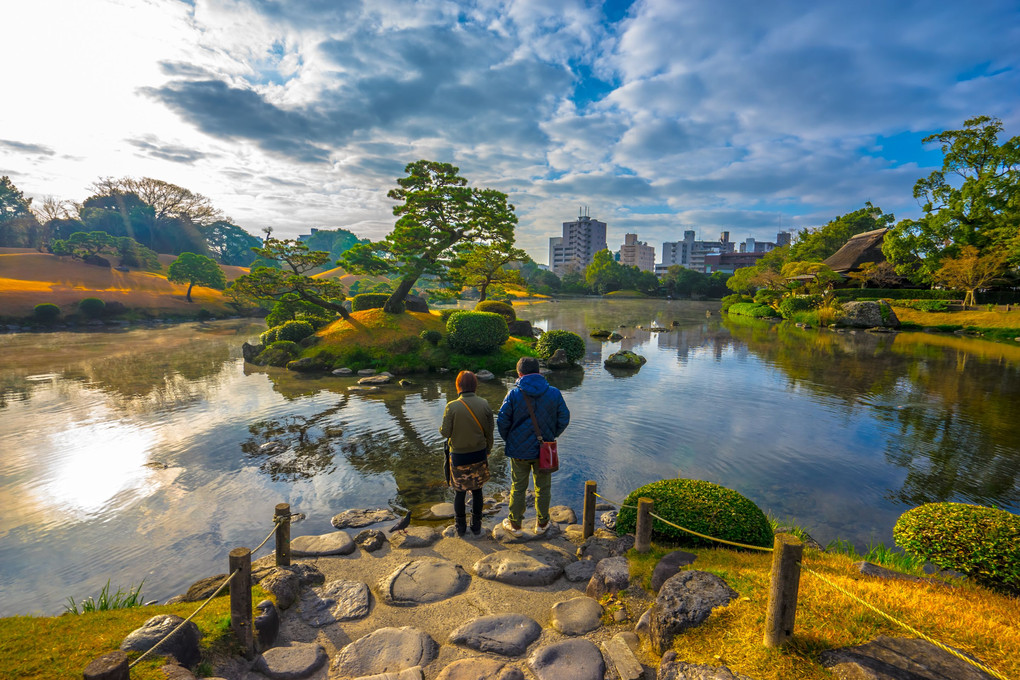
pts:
[659, 115]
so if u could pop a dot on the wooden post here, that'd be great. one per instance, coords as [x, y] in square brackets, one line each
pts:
[643, 529]
[240, 599]
[782, 605]
[112, 666]
[282, 518]
[588, 521]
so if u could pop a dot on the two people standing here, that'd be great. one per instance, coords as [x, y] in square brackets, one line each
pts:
[468, 422]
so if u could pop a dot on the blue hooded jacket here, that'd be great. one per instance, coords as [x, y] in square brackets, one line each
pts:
[514, 422]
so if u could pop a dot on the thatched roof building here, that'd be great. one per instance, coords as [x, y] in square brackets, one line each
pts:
[866, 247]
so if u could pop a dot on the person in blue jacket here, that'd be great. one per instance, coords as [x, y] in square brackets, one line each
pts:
[515, 427]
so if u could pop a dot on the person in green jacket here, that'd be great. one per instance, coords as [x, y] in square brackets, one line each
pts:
[467, 426]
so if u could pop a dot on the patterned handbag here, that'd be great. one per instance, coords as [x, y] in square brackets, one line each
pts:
[472, 476]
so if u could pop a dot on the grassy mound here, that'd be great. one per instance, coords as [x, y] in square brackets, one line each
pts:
[701, 506]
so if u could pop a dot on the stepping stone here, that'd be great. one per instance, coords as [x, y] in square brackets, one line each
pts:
[335, 543]
[562, 514]
[485, 375]
[374, 380]
[370, 540]
[672, 669]
[480, 668]
[886, 657]
[299, 660]
[603, 545]
[336, 601]
[366, 371]
[343, 371]
[516, 569]
[669, 565]
[577, 616]
[611, 576]
[416, 537]
[506, 634]
[576, 659]
[364, 388]
[361, 518]
[414, 673]
[424, 580]
[441, 511]
[385, 650]
[619, 653]
[581, 570]
[500, 534]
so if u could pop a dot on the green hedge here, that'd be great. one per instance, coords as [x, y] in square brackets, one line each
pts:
[897, 294]
[753, 310]
[476, 332]
[295, 331]
[983, 543]
[430, 336]
[700, 506]
[736, 298]
[798, 303]
[269, 336]
[47, 311]
[91, 306]
[924, 305]
[496, 307]
[278, 353]
[368, 301]
[571, 343]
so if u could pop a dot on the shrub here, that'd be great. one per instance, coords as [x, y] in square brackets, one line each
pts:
[476, 332]
[270, 336]
[47, 311]
[368, 301]
[431, 337]
[767, 296]
[897, 294]
[983, 543]
[571, 343]
[496, 307]
[731, 300]
[294, 331]
[445, 314]
[753, 309]
[278, 354]
[798, 303]
[924, 305]
[700, 506]
[91, 307]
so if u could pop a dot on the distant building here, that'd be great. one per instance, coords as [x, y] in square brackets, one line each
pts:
[634, 253]
[730, 262]
[575, 250]
[690, 253]
[783, 238]
[866, 247]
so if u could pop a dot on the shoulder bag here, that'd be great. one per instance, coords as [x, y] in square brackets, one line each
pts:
[472, 476]
[548, 455]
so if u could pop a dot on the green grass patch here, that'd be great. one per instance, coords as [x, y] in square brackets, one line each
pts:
[753, 310]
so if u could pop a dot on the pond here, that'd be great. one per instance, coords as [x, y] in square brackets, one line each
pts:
[148, 454]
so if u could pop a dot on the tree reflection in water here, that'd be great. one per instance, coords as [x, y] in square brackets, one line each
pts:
[296, 447]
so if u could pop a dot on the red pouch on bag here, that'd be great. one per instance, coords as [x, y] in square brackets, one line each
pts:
[548, 457]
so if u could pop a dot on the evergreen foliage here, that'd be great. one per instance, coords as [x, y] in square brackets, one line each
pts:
[476, 332]
[91, 307]
[503, 309]
[294, 331]
[571, 343]
[368, 301]
[47, 311]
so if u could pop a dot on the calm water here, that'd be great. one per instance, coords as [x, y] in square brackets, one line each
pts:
[139, 454]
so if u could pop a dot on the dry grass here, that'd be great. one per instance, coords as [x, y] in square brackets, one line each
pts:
[972, 317]
[374, 327]
[969, 618]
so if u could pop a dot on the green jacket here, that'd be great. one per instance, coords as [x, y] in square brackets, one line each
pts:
[462, 430]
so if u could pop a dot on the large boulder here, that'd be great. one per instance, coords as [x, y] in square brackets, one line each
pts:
[182, 645]
[685, 601]
[671, 668]
[868, 314]
[521, 329]
[625, 359]
[886, 658]
[250, 351]
[416, 303]
[611, 576]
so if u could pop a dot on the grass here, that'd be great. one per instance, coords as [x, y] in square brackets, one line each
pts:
[106, 601]
[37, 648]
[967, 617]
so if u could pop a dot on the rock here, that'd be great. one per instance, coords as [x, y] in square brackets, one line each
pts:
[500, 535]
[685, 601]
[271, 448]
[297, 660]
[580, 570]
[600, 547]
[576, 616]
[285, 586]
[172, 671]
[480, 668]
[576, 659]
[516, 569]
[441, 511]
[335, 543]
[424, 580]
[111, 665]
[250, 351]
[643, 623]
[670, 565]
[614, 337]
[562, 514]
[868, 314]
[617, 652]
[305, 364]
[267, 625]
[416, 537]
[404, 382]
[624, 359]
[343, 371]
[370, 540]
[484, 375]
[183, 645]
[335, 601]
[384, 651]
[366, 372]
[608, 520]
[416, 303]
[521, 329]
[886, 658]
[599, 333]
[506, 634]
[672, 669]
[364, 389]
[869, 569]
[413, 673]
[558, 359]
[361, 518]
[604, 506]
[611, 576]
[374, 380]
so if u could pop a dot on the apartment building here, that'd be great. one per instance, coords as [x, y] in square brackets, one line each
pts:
[634, 253]
[575, 249]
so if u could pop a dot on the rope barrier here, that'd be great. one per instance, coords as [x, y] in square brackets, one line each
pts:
[271, 534]
[907, 627]
[193, 614]
[609, 500]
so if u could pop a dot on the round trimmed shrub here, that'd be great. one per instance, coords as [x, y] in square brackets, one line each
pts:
[798, 303]
[294, 331]
[983, 543]
[736, 298]
[700, 506]
[270, 336]
[47, 311]
[91, 306]
[445, 314]
[753, 309]
[431, 337]
[476, 332]
[569, 342]
[368, 301]
[278, 353]
[496, 307]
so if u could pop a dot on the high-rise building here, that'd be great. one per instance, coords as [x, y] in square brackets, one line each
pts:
[575, 250]
[634, 253]
[690, 253]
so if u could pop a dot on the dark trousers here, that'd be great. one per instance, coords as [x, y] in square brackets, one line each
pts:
[460, 511]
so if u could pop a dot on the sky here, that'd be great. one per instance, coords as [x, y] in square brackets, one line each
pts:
[657, 115]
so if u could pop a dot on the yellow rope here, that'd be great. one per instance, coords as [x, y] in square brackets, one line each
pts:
[170, 634]
[916, 632]
[609, 500]
[271, 534]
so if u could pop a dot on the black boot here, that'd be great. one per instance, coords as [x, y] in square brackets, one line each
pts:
[460, 522]
[476, 523]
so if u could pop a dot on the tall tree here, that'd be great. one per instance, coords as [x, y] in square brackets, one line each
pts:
[167, 200]
[485, 264]
[437, 211]
[12, 201]
[230, 243]
[970, 271]
[604, 274]
[83, 245]
[296, 261]
[815, 245]
[974, 200]
[193, 270]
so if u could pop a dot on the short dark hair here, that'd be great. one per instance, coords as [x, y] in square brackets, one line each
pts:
[526, 365]
[466, 382]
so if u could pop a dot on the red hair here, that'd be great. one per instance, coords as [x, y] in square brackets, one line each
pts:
[466, 382]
